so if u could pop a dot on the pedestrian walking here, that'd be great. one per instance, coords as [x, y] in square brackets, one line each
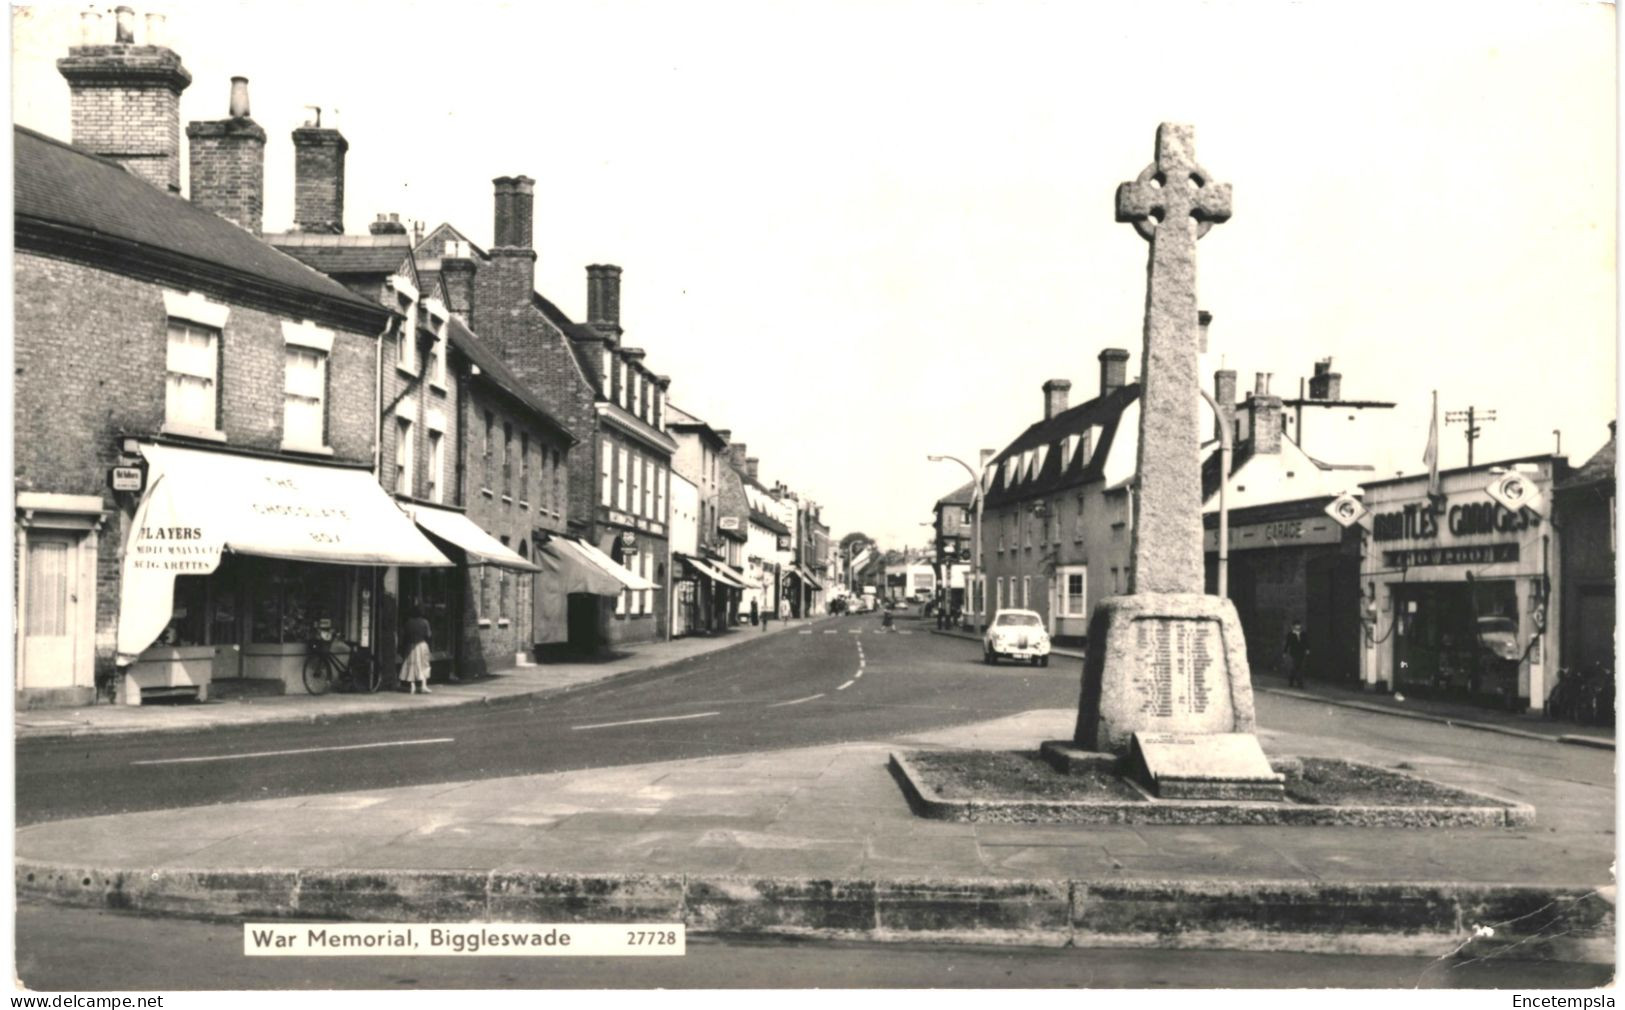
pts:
[1296, 651]
[755, 613]
[415, 638]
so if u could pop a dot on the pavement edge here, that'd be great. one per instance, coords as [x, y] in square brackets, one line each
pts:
[1569, 923]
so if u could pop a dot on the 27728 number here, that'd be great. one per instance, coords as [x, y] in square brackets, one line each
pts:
[651, 938]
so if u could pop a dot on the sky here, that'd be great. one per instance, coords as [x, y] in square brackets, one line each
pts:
[859, 233]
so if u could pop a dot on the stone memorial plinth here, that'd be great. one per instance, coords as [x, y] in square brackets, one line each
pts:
[1205, 766]
[1163, 663]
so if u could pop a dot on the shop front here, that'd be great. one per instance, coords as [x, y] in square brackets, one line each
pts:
[576, 593]
[479, 613]
[707, 595]
[1458, 589]
[233, 565]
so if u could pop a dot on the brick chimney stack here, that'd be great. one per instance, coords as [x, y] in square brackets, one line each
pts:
[387, 224]
[318, 178]
[604, 300]
[508, 283]
[1113, 370]
[1325, 384]
[125, 99]
[736, 455]
[1264, 421]
[457, 267]
[751, 468]
[1055, 396]
[227, 159]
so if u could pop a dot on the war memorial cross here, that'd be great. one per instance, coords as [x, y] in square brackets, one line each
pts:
[1172, 204]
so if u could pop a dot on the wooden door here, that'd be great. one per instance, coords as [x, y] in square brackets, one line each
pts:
[51, 610]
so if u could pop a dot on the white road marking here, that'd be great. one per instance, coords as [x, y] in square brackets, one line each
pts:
[905, 632]
[804, 631]
[855, 631]
[810, 697]
[284, 753]
[844, 686]
[639, 722]
[855, 676]
[831, 631]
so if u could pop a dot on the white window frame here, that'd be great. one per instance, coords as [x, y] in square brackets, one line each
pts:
[606, 474]
[624, 384]
[437, 465]
[637, 483]
[622, 467]
[195, 365]
[437, 362]
[609, 374]
[405, 482]
[306, 397]
[660, 496]
[1064, 574]
[1026, 592]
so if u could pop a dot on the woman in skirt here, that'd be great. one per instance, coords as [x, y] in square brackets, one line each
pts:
[415, 670]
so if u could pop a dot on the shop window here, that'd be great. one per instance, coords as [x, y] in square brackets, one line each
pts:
[192, 391]
[403, 456]
[304, 400]
[288, 598]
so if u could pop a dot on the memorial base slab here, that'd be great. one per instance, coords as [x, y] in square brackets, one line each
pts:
[1163, 663]
[1212, 766]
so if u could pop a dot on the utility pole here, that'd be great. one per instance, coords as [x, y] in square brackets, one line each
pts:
[1470, 417]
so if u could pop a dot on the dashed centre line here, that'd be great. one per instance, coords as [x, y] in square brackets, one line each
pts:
[285, 753]
[810, 697]
[639, 722]
[846, 685]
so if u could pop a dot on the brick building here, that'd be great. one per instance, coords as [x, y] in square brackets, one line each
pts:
[1057, 512]
[598, 389]
[234, 384]
[713, 577]
[1584, 508]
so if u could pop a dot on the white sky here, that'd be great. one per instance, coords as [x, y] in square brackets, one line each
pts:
[856, 233]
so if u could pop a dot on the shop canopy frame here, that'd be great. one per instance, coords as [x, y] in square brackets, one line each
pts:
[715, 573]
[586, 569]
[478, 546]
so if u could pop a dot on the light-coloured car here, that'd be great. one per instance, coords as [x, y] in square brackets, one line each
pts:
[1016, 634]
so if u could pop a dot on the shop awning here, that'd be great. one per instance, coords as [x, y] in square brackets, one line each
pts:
[806, 577]
[566, 571]
[456, 528]
[586, 554]
[200, 503]
[715, 573]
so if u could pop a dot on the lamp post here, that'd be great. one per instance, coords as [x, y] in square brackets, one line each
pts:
[1225, 450]
[976, 549]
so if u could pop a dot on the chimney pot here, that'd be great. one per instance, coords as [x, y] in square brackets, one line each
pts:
[90, 27]
[515, 199]
[1264, 422]
[239, 98]
[1261, 383]
[155, 30]
[124, 26]
[751, 465]
[1055, 396]
[604, 299]
[1113, 370]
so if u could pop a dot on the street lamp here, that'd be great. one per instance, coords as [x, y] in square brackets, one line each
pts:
[976, 550]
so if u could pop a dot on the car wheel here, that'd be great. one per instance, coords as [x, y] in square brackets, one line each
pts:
[1043, 661]
[989, 658]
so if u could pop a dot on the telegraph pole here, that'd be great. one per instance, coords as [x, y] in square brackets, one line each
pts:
[1470, 417]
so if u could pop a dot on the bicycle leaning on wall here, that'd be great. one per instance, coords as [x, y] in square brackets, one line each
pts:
[340, 664]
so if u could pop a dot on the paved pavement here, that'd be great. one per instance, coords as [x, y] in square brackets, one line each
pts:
[511, 683]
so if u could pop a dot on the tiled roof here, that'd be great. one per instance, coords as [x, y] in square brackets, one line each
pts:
[1596, 470]
[766, 521]
[346, 254]
[1239, 456]
[61, 186]
[961, 496]
[494, 369]
[1057, 472]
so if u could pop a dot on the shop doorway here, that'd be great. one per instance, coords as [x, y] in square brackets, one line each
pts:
[51, 610]
[1332, 618]
[1458, 640]
[582, 619]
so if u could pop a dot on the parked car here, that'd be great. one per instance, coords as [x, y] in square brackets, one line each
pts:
[1016, 634]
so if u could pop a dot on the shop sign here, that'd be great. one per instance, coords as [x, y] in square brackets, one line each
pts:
[1422, 522]
[1475, 554]
[784, 541]
[728, 523]
[619, 518]
[127, 478]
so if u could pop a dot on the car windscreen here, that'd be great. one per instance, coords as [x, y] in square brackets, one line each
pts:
[1016, 620]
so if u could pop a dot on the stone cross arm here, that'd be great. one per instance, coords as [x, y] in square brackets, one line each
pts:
[1173, 186]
